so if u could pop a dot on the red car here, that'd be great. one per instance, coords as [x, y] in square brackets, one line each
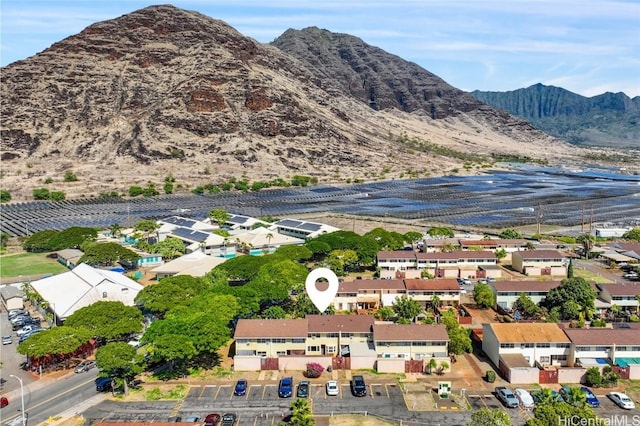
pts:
[212, 419]
[4, 402]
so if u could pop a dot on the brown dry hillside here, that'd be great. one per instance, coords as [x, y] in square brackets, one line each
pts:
[167, 91]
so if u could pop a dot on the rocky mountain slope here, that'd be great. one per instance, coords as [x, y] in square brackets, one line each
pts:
[164, 91]
[609, 119]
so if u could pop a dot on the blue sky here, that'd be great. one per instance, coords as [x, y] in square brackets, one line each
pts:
[585, 46]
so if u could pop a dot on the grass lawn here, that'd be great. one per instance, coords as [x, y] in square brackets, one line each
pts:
[590, 276]
[26, 264]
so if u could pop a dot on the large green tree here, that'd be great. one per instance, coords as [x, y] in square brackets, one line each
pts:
[301, 414]
[72, 237]
[61, 340]
[119, 360]
[292, 252]
[367, 248]
[109, 320]
[459, 337]
[147, 228]
[489, 417]
[406, 309]
[387, 240]
[170, 292]
[39, 241]
[106, 254]
[440, 232]
[483, 296]
[170, 248]
[219, 216]
[576, 290]
[633, 234]
[526, 306]
[510, 234]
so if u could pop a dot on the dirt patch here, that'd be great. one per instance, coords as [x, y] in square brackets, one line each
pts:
[354, 420]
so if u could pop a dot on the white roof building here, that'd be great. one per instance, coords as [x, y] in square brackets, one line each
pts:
[196, 264]
[301, 229]
[260, 238]
[83, 286]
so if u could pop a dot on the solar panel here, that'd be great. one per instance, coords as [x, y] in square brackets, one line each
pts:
[238, 219]
[190, 234]
[310, 226]
[289, 223]
[180, 221]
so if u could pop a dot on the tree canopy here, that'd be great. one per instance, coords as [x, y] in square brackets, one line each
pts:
[510, 234]
[440, 232]
[39, 241]
[109, 320]
[387, 240]
[490, 417]
[72, 238]
[62, 340]
[106, 254]
[170, 292]
[119, 360]
[633, 234]
[483, 296]
[219, 216]
[406, 309]
[366, 247]
[572, 297]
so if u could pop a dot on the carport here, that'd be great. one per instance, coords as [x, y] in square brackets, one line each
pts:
[516, 369]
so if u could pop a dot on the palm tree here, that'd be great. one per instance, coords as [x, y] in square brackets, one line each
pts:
[115, 230]
[638, 300]
[432, 364]
[546, 397]
[587, 241]
[269, 236]
[435, 301]
[575, 396]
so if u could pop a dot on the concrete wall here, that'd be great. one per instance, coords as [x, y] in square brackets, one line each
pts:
[524, 375]
[246, 363]
[299, 363]
[571, 375]
[363, 362]
[389, 365]
[634, 372]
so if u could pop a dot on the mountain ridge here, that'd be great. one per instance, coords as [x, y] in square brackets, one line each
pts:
[164, 91]
[601, 120]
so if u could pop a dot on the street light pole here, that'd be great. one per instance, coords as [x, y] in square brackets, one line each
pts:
[21, 397]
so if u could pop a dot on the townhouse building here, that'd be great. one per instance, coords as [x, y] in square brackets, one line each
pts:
[411, 264]
[622, 295]
[507, 292]
[356, 340]
[539, 262]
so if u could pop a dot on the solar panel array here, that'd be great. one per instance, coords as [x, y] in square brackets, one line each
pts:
[190, 234]
[497, 199]
[180, 221]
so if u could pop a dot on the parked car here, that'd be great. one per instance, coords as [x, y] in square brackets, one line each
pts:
[592, 400]
[26, 329]
[332, 388]
[3, 402]
[507, 397]
[460, 281]
[491, 279]
[241, 388]
[103, 384]
[228, 419]
[467, 281]
[303, 389]
[285, 388]
[525, 398]
[25, 336]
[85, 366]
[622, 400]
[192, 419]
[358, 386]
[16, 312]
[483, 281]
[212, 419]
[7, 340]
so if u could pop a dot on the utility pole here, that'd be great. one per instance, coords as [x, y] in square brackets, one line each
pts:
[582, 221]
[539, 218]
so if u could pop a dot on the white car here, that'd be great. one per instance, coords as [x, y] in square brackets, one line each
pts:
[332, 388]
[26, 329]
[622, 400]
[525, 398]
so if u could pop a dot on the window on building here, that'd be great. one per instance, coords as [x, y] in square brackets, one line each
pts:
[506, 345]
[262, 354]
[278, 340]
[526, 345]
[281, 353]
[262, 340]
[298, 340]
[331, 349]
[543, 345]
[313, 348]
[544, 360]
